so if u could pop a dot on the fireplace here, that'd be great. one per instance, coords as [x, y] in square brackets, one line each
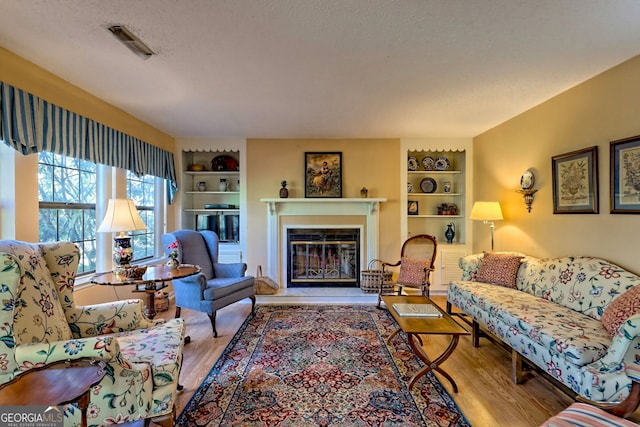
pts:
[323, 257]
[286, 214]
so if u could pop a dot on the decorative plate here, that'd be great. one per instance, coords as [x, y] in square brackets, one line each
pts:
[527, 180]
[409, 187]
[442, 164]
[428, 185]
[413, 163]
[428, 163]
[224, 163]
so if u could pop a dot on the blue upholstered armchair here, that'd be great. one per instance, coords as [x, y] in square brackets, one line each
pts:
[217, 285]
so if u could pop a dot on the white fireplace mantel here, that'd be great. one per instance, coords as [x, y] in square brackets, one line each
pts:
[278, 207]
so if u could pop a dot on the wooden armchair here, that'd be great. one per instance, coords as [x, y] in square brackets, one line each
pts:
[40, 324]
[417, 258]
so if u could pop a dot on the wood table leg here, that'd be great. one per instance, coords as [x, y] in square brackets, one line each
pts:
[150, 309]
[435, 364]
[393, 334]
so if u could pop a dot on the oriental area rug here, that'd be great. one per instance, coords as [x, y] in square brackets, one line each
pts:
[304, 366]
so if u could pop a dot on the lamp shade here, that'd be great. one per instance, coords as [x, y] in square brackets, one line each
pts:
[121, 215]
[487, 211]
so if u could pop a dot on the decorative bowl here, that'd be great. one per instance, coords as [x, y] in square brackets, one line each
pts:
[134, 272]
[196, 168]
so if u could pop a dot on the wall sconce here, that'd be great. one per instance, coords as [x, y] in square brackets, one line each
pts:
[526, 184]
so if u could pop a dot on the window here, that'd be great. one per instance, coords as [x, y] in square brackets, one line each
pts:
[67, 196]
[142, 191]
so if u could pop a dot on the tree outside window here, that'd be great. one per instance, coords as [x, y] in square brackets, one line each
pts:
[67, 212]
[142, 190]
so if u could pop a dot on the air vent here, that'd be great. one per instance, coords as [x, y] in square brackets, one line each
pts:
[131, 41]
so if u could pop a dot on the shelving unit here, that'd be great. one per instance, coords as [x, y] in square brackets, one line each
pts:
[207, 206]
[430, 217]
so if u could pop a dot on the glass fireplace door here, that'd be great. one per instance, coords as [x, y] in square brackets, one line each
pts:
[330, 262]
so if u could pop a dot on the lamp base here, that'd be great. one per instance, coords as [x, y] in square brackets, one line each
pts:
[122, 251]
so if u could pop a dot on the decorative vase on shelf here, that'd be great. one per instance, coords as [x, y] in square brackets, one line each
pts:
[450, 233]
[284, 192]
[222, 185]
[173, 263]
[202, 186]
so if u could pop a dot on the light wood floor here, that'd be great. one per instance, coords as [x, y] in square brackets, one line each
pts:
[486, 396]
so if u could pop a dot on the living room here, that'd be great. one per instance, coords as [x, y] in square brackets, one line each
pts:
[600, 109]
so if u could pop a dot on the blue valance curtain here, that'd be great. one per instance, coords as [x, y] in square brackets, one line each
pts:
[30, 124]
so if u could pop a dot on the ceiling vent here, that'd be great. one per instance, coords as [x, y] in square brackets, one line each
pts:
[131, 41]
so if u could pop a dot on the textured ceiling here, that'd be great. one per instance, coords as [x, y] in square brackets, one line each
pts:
[325, 68]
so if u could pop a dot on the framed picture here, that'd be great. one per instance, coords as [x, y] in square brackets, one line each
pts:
[412, 207]
[625, 176]
[575, 181]
[323, 174]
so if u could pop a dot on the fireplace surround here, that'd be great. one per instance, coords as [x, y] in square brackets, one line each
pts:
[340, 213]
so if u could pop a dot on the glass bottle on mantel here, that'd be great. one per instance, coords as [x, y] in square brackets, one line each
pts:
[284, 192]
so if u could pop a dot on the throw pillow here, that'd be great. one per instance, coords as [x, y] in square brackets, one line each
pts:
[620, 309]
[412, 271]
[499, 269]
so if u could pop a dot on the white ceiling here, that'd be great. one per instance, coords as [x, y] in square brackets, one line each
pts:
[325, 68]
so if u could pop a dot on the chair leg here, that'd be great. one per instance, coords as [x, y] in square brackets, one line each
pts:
[253, 304]
[178, 312]
[167, 420]
[212, 317]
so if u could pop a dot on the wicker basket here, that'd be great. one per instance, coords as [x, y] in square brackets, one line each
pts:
[161, 301]
[375, 279]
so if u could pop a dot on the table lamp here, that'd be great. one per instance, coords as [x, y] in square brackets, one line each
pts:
[121, 216]
[487, 212]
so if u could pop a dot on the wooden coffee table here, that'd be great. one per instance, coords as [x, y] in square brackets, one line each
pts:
[415, 326]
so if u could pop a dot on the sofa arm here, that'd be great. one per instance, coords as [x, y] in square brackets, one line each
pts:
[622, 347]
[470, 265]
[236, 269]
[36, 355]
[107, 318]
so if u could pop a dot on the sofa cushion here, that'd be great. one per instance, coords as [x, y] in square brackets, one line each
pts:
[412, 271]
[562, 331]
[221, 287]
[499, 269]
[623, 307]
[160, 347]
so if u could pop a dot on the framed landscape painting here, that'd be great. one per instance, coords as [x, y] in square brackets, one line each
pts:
[323, 174]
[575, 181]
[625, 175]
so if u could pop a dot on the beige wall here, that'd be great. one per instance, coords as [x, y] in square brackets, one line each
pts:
[372, 163]
[598, 111]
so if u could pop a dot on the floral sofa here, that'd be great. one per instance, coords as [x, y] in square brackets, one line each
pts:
[576, 318]
[40, 324]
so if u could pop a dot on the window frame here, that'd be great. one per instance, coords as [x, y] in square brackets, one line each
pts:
[112, 182]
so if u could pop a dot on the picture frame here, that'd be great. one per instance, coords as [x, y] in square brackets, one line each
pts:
[412, 207]
[624, 175]
[575, 182]
[323, 174]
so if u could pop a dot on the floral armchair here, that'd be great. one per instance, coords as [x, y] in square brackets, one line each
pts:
[40, 324]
